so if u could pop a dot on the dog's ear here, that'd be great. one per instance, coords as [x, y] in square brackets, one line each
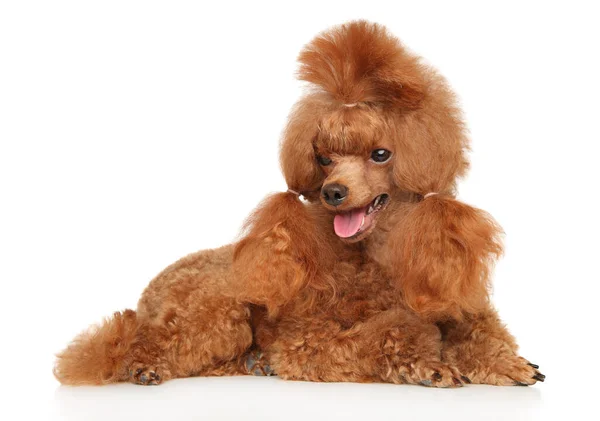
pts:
[279, 254]
[445, 250]
[362, 62]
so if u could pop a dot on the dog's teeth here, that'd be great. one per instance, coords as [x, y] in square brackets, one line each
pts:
[377, 199]
[370, 209]
[363, 222]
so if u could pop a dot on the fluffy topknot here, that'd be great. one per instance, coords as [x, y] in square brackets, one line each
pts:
[362, 62]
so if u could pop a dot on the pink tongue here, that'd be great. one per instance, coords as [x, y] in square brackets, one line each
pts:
[347, 224]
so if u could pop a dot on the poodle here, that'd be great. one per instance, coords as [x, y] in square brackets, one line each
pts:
[378, 275]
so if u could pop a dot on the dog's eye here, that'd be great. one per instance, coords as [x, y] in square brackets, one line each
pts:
[323, 160]
[380, 155]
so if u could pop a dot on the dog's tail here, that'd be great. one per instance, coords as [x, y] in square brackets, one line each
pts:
[100, 354]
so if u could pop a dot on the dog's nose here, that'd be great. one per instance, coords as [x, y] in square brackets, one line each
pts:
[334, 194]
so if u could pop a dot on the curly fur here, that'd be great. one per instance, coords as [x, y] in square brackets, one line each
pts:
[405, 299]
[445, 252]
[99, 355]
[279, 255]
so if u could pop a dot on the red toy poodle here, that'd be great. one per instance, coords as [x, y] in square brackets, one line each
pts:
[379, 275]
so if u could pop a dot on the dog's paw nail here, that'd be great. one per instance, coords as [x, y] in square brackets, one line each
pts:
[250, 363]
[539, 377]
[437, 376]
[426, 382]
[138, 371]
[457, 382]
[143, 378]
[465, 379]
[268, 370]
[521, 384]
[534, 365]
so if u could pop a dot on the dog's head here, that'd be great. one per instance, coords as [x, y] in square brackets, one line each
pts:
[377, 123]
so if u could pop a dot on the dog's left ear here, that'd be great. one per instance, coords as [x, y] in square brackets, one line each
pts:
[444, 251]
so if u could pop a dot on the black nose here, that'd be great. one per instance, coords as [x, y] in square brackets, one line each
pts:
[334, 194]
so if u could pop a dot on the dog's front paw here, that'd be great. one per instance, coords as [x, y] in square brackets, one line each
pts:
[257, 364]
[510, 370]
[432, 374]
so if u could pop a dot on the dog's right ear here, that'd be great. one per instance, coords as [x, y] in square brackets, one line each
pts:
[297, 154]
[281, 253]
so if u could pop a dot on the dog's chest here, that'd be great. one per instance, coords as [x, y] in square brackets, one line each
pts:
[363, 293]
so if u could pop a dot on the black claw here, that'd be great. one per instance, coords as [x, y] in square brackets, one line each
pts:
[256, 367]
[466, 379]
[268, 370]
[534, 365]
[143, 378]
[456, 381]
[138, 371]
[250, 362]
[152, 375]
[539, 377]
[437, 376]
[157, 377]
[521, 384]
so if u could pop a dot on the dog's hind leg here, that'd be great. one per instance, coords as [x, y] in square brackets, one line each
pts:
[184, 325]
[206, 338]
[188, 326]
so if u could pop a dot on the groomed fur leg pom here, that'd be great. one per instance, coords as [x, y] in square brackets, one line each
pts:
[446, 250]
[279, 254]
[100, 354]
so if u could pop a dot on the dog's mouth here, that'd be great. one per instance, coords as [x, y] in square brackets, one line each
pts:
[351, 224]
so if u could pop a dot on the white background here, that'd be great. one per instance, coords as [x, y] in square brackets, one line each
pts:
[133, 133]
